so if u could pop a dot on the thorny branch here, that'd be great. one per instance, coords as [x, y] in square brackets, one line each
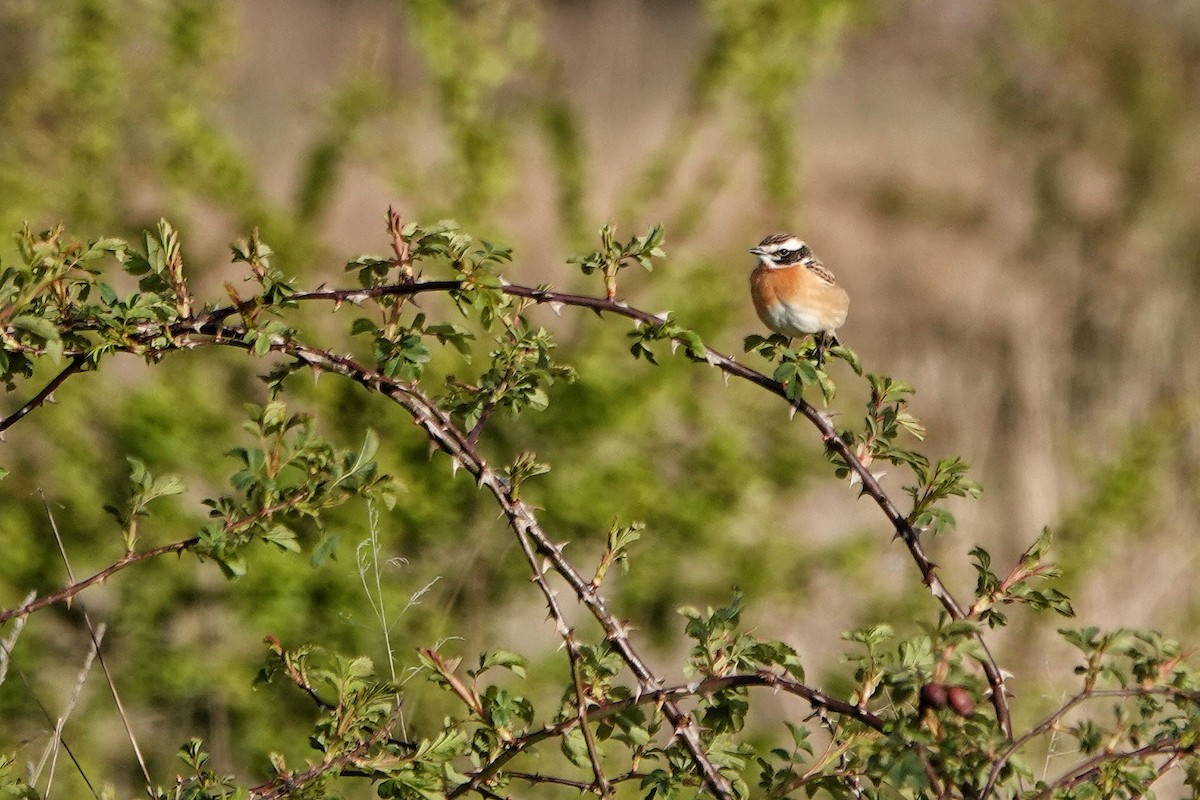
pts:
[206, 329]
[131, 558]
[209, 327]
[829, 436]
[68, 592]
[75, 365]
[1090, 769]
[280, 787]
[764, 679]
[1053, 720]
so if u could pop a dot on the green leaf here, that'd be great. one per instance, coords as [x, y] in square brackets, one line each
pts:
[514, 662]
[325, 550]
[282, 537]
[574, 747]
[38, 326]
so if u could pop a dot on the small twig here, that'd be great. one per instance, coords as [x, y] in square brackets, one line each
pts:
[280, 787]
[582, 786]
[1053, 719]
[477, 428]
[1163, 768]
[76, 364]
[468, 696]
[602, 784]
[67, 592]
[1091, 768]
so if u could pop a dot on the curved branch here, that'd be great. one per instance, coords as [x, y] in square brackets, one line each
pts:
[829, 436]
[462, 449]
[1091, 768]
[66, 593]
[832, 441]
[76, 364]
[760, 679]
[1053, 719]
[282, 787]
[442, 431]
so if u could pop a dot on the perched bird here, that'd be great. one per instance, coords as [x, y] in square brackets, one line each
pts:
[794, 293]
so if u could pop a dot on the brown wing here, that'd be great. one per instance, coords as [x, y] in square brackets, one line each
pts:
[814, 265]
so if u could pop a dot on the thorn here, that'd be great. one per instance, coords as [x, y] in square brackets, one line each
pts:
[660, 316]
[713, 360]
[674, 346]
[855, 479]
[557, 308]
[455, 465]
[878, 476]
[725, 377]
[504, 282]
[792, 409]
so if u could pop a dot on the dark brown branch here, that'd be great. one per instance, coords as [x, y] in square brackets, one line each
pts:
[68, 592]
[281, 787]
[1090, 769]
[763, 679]
[534, 777]
[1053, 719]
[447, 436]
[461, 448]
[75, 365]
[829, 436]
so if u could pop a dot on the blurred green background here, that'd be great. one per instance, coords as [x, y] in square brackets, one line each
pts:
[1008, 190]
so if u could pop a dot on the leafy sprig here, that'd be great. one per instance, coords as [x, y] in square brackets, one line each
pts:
[615, 255]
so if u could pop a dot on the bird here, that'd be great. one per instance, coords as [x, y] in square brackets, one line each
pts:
[794, 293]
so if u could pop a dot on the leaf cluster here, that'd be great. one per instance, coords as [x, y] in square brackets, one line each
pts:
[614, 255]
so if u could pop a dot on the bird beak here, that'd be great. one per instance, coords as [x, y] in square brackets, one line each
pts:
[758, 251]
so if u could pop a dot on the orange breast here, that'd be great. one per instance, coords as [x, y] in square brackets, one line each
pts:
[794, 301]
